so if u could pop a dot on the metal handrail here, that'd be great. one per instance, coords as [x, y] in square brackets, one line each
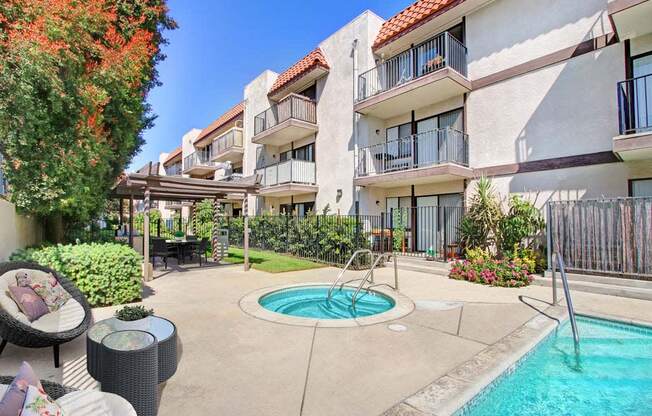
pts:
[366, 276]
[569, 301]
[353, 256]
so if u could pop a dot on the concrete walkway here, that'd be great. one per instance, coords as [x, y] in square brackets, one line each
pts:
[235, 364]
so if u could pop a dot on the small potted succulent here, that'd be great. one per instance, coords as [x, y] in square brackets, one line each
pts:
[178, 235]
[134, 317]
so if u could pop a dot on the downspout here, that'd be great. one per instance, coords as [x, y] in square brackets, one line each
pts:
[354, 55]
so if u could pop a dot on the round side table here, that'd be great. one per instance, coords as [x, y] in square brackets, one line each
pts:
[130, 369]
[164, 331]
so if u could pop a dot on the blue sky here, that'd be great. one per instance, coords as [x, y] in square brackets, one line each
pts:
[222, 45]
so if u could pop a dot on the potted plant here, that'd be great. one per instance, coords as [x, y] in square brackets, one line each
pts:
[178, 235]
[134, 317]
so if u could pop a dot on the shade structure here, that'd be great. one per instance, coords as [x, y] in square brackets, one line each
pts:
[147, 185]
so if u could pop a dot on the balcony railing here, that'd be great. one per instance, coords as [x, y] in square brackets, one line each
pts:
[232, 138]
[416, 151]
[198, 158]
[293, 106]
[434, 54]
[635, 105]
[289, 171]
[173, 170]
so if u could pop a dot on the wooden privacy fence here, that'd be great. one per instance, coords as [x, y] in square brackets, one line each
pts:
[611, 236]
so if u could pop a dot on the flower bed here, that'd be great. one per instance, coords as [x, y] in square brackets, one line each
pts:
[492, 272]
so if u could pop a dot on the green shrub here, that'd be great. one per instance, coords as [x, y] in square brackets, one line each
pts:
[492, 272]
[519, 226]
[107, 274]
[473, 254]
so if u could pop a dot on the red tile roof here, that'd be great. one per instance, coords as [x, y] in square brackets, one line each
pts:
[221, 120]
[410, 18]
[176, 152]
[313, 60]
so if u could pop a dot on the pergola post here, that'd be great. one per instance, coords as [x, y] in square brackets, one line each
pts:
[146, 268]
[215, 229]
[245, 212]
[193, 211]
[131, 221]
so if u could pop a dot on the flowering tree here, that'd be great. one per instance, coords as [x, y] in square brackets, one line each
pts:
[74, 75]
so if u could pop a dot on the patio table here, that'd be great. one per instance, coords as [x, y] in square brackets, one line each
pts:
[162, 329]
[181, 247]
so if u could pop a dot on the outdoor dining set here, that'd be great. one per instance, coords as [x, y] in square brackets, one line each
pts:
[181, 249]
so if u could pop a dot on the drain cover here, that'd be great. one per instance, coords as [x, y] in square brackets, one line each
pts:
[397, 327]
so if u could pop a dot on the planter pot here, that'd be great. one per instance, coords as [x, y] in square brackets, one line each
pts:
[139, 325]
[178, 238]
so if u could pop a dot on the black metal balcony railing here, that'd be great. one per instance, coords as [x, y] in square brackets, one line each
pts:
[434, 54]
[635, 105]
[416, 151]
[201, 157]
[293, 106]
[173, 170]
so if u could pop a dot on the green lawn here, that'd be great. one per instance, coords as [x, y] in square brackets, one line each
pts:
[271, 262]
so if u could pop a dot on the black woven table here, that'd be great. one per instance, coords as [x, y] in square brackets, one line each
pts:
[164, 331]
[130, 369]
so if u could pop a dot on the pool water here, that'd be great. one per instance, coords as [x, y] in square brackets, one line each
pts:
[312, 302]
[612, 375]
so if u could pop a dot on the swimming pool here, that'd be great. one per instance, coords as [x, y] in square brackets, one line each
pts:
[313, 302]
[611, 375]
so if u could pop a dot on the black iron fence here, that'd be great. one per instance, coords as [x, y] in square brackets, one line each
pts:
[612, 236]
[330, 239]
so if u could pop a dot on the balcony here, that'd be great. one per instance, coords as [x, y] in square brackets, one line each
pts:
[228, 147]
[173, 170]
[631, 18]
[199, 163]
[435, 156]
[635, 119]
[290, 177]
[431, 72]
[292, 118]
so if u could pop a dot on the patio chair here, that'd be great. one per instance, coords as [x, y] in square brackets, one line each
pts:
[200, 250]
[191, 238]
[50, 330]
[161, 249]
[81, 402]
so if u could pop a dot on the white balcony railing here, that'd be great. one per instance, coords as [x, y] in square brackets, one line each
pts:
[231, 139]
[293, 106]
[430, 148]
[289, 171]
[200, 157]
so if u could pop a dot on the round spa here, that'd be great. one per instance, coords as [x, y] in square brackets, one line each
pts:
[313, 302]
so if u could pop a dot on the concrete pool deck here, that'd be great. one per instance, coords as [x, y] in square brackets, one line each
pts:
[234, 364]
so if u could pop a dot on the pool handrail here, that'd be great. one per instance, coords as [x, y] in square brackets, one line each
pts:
[569, 301]
[339, 276]
[370, 272]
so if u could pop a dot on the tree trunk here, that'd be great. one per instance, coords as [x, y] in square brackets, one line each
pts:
[54, 228]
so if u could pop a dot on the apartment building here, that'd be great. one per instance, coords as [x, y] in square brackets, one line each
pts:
[551, 99]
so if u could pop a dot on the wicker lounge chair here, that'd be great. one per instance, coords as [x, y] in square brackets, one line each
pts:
[22, 333]
[81, 403]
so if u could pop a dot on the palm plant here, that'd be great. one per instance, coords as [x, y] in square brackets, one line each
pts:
[480, 225]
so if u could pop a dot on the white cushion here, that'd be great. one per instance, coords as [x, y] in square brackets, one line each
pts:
[68, 317]
[95, 403]
[3, 389]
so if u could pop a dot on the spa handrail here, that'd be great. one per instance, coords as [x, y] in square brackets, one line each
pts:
[370, 272]
[353, 256]
[569, 301]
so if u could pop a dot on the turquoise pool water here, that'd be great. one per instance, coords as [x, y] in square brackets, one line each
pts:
[312, 302]
[611, 376]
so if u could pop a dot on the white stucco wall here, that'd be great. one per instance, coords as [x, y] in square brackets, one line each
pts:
[187, 141]
[17, 231]
[561, 110]
[506, 33]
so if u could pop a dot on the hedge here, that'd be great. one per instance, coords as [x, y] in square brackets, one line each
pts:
[107, 273]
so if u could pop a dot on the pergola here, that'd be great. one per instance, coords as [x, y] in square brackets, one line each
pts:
[147, 185]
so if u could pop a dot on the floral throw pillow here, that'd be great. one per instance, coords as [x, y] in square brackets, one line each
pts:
[37, 403]
[14, 398]
[28, 302]
[47, 287]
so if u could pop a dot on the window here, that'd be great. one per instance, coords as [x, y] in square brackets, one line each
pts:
[310, 92]
[237, 170]
[305, 153]
[640, 187]
[299, 209]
